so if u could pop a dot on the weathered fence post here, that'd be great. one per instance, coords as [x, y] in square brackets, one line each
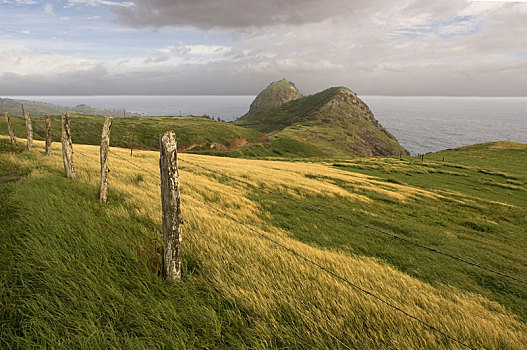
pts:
[67, 147]
[29, 129]
[170, 201]
[10, 129]
[48, 135]
[132, 146]
[105, 149]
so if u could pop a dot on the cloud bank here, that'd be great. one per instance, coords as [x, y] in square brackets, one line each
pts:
[410, 47]
[231, 14]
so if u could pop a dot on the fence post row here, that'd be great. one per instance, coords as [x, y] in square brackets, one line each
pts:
[170, 201]
[12, 137]
[48, 135]
[67, 148]
[29, 129]
[105, 149]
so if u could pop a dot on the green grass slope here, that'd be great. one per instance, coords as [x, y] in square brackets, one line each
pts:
[194, 133]
[332, 123]
[297, 111]
[14, 107]
[79, 274]
[480, 213]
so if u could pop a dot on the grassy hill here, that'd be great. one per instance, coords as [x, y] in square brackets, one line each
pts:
[194, 133]
[274, 95]
[297, 111]
[80, 274]
[331, 123]
[280, 124]
[14, 107]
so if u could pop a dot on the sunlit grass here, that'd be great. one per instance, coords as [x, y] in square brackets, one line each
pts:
[251, 307]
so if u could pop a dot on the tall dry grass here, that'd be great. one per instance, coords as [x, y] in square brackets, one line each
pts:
[228, 256]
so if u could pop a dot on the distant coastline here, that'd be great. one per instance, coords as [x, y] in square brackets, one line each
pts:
[422, 124]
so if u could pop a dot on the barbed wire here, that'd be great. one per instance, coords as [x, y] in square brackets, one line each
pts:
[283, 291]
[314, 263]
[345, 218]
[331, 272]
[81, 153]
[358, 223]
[321, 267]
[258, 272]
[137, 166]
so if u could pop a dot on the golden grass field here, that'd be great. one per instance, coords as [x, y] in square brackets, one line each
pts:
[229, 255]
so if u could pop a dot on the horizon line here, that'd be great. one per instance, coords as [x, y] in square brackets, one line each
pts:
[240, 95]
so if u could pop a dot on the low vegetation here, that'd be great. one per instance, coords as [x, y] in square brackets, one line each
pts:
[280, 124]
[331, 123]
[80, 274]
[194, 133]
[39, 109]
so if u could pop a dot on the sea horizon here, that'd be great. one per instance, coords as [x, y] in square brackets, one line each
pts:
[421, 124]
[244, 95]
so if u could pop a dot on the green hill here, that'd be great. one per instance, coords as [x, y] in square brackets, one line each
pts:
[274, 95]
[14, 107]
[77, 274]
[280, 123]
[331, 123]
[194, 133]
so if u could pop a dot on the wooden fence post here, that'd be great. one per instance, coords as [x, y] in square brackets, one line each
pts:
[105, 149]
[132, 146]
[67, 147]
[48, 135]
[29, 129]
[170, 199]
[10, 129]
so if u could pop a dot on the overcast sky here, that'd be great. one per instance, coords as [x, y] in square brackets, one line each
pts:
[374, 47]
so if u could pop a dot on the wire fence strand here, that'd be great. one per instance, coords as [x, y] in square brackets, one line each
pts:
[277, 286]
[323, 268]
[345, 218]
[332, 273]
[358, 223]
[283, 293]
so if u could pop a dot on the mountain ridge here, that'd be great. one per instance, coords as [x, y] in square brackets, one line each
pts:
[335, 120]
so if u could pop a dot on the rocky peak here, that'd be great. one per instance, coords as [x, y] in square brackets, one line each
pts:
[274, 95]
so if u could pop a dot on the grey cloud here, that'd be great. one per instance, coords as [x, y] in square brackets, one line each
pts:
[226, 77]
[207, 14]
[238, 14]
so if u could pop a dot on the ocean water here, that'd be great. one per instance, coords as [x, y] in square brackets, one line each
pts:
[421, 124]
[429, 124]
[226, 107]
